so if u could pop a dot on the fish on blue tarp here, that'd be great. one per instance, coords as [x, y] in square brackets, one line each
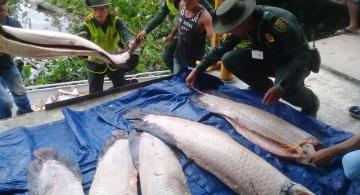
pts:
[215, 151]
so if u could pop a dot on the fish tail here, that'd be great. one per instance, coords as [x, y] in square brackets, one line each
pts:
[136, 119]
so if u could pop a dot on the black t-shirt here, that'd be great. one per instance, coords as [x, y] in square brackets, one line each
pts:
[191, 43]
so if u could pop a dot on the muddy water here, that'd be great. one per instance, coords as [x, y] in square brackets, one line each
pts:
[32, 16]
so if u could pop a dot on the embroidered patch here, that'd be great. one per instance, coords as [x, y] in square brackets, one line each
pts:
[281, 25]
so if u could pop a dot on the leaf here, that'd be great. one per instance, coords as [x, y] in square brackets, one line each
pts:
[26, 71]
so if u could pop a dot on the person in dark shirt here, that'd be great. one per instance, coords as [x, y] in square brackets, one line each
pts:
[10, 76]
[278, 48]
[107, 30]
[194, 24]
[167, 7]
[350, 161]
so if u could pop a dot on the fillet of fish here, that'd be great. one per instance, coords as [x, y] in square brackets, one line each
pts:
[215, 151]
[159, 169]
[115, 172]
[263, 128]
[52, 174]
[45, 44]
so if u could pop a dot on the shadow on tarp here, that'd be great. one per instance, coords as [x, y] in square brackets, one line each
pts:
[81, 135]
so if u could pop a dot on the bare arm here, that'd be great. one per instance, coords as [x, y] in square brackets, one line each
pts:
[347, 146]
[323, 156]
[207, 21]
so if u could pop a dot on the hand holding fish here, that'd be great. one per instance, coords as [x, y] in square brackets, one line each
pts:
[272, 95]
[191, 78]
[142, 35]
[322, 157]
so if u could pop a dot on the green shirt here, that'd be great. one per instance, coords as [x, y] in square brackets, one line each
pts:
[277, 30]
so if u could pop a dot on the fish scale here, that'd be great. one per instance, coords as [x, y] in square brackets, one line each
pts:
[159, 168]
[215, 151]
[115, 173]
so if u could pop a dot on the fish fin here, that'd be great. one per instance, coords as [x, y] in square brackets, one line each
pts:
[195, 100]
[299, 189]
[41, 156]
[136, 119]
[134, 140]
[219, 94]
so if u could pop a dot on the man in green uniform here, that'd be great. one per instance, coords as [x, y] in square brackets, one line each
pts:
[278, 49]
[108, 31]
[170, 6]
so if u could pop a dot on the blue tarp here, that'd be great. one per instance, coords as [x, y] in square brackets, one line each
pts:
[81, 135]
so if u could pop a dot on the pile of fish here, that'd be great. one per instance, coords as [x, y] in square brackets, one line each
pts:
[145, 163]
[44, 44]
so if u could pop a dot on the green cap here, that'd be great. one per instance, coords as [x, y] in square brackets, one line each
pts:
[96, 3]
[230, 14]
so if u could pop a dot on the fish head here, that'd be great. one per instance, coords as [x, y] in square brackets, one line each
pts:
[305, 152]
[299, 189]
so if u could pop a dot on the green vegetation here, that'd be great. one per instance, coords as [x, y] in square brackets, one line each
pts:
[313, 15]
[136, 13]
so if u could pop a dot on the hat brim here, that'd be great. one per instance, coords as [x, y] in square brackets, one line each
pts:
[220, 28]
[100, 5]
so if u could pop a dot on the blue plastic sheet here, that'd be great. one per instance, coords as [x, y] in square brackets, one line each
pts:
[81, 135]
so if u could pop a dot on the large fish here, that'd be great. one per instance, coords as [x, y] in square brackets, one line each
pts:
[159, 169]
[52, 174]
[263, 128]
[45, 44]
[215, 151]
[115, 172]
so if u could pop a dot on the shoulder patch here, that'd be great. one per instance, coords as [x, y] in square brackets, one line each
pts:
[281, 25]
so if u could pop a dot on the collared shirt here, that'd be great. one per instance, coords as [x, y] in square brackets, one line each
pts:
[280, 32]
[5, 59]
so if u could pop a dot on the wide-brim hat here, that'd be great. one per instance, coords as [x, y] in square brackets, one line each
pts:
[230, 14]
[96, 3]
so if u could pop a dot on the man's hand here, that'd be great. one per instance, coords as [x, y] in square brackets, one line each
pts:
[272, 95]
[322, 157]
[131, 43]
[141, 36]
[190, 80]
[169, 38]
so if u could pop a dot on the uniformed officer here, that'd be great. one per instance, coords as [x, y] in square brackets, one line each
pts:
[170, 6]
[108, 31]
[278, 48]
